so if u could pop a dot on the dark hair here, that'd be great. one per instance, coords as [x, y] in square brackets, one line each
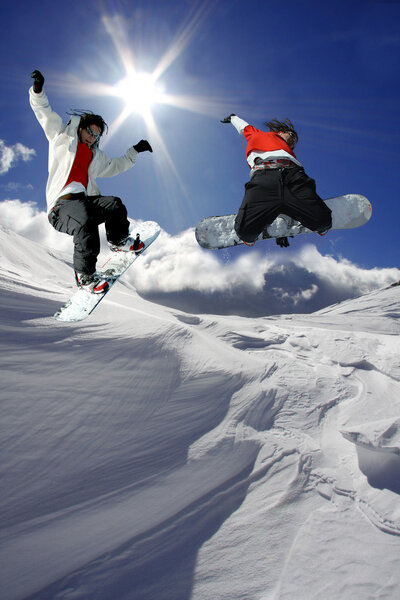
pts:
[89, 118]
[285, 126]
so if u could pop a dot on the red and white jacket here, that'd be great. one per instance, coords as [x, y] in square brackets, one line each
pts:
[63, 144]
[263, 145]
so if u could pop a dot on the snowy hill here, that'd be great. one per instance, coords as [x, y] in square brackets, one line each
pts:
[153, 454]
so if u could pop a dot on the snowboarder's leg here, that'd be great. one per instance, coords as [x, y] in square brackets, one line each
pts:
[260, 206]
[71, 216]
[112, 212]
[302, 203]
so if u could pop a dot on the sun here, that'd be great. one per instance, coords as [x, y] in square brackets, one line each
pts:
[139, 91]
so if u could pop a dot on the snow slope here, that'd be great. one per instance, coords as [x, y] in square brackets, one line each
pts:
[148, 453]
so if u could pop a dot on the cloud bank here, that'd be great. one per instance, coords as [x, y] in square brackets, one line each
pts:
[10, 155]
[180, 274]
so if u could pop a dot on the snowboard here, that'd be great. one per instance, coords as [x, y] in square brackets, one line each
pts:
[348, 212]
[83, 303]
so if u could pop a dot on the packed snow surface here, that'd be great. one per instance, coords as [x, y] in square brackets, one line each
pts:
[152, 454]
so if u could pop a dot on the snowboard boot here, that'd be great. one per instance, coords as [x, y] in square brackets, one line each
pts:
[129, 244]
[91, 283]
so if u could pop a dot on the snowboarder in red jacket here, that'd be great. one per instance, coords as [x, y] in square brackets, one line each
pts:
[278, 183]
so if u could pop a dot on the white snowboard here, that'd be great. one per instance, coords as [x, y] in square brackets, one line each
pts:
[348, 211]
[82, 303]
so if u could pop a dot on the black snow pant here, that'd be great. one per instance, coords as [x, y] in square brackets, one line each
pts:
[80, 216]
[288, 191]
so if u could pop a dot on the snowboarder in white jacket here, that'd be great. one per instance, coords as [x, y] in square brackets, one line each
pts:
[74, 203]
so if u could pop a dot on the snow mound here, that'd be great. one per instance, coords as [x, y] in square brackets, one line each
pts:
[382, 436]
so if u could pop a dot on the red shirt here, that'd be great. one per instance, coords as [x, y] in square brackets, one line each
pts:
[79, 169]
[264, 141]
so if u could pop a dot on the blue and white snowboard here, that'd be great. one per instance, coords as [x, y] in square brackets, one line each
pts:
[82, 303]
[348, 211]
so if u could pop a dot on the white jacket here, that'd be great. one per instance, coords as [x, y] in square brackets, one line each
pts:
[63, 142]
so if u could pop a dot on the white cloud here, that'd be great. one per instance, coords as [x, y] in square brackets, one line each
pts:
[9, 155]
[26, 219]
[13, 186]
[178, 273]
[343, 274]
[177, 263]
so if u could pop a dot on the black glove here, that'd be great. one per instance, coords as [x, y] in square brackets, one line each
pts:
[38, 81]
[283, 242]
[143, 146]
[228, 119]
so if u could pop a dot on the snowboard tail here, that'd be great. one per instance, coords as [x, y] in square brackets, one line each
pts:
[83, 303]
[348, 212]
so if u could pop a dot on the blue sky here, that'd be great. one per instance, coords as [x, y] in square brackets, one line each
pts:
[332, 68]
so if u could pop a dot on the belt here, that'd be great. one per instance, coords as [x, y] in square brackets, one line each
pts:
[70, 196]
[274, 163]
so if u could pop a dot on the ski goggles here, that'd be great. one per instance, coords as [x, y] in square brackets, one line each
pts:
[96, 136]
[294, 136]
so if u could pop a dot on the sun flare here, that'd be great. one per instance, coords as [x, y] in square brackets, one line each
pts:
[139, 91]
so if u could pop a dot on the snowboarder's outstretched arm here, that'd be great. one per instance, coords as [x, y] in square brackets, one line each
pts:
[108, 167]
[50, 121]
[236, 121]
